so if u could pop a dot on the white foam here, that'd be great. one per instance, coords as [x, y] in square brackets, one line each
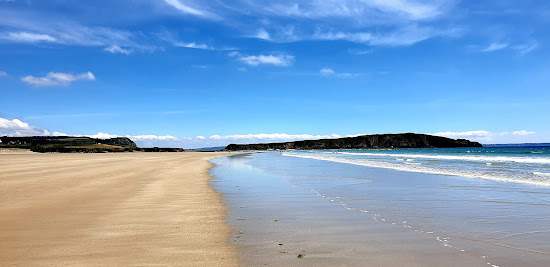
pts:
[526, 159]
[424, 169]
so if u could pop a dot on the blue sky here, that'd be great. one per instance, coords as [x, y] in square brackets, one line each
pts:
[207, 73]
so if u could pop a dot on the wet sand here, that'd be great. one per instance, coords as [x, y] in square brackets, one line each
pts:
[304, 212]
[112, 209]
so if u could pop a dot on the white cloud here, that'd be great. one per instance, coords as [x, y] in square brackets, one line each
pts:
[27, 37]
[487, 137]
[335, 17]
[404, 36]
[57, 79]
[415, 10]
[101, 135]
[328, 72]
[263, 34]
[276, 60]
[187, 9]
[114, 49]
[193, 45]
[494, 47]
[381, 11]
[233, 54]
[3, 73]
[526, 48]
[469, 134]
[278, 33]
[173, 39]
[16, 127]
[39, 29]
[522, 132]
[59, 134]
[360, 52]
[358, 37]
[153, 137]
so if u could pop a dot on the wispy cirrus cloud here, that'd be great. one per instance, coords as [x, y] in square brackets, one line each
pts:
[181, 6]
[57, 79]
[27, 37]
[328, 72]
[279, 60]
[377, 22]
[194, 45]
[172, 39]
[526, 48]
[404, 36]
[115, 49]
[376, 11]
[393, 36]
[495, 46]
[521, 48]
[38, 28]
[3, 73]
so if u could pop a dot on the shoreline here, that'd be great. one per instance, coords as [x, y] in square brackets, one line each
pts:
[112, 209]
[299, 211]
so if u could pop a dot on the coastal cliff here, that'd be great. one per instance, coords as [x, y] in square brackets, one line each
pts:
[375, 141]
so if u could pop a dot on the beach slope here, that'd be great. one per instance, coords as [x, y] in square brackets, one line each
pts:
[111, 209]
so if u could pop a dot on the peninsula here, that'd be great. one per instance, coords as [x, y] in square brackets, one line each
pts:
[375, 141]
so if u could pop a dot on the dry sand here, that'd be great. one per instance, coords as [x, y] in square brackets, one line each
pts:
[111, 209]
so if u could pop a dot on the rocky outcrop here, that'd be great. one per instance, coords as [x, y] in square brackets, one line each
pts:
[376, 141]
[117, 141]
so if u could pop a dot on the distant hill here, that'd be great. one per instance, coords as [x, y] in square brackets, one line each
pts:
[376, 141]
[66, 144]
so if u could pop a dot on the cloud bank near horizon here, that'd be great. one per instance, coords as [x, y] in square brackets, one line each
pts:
[16, 127]
[486, 137]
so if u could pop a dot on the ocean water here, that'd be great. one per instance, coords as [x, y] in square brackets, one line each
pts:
[528, 164]
[424, 207]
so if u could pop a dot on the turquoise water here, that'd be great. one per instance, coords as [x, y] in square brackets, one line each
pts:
[529, 165]
[490, 204]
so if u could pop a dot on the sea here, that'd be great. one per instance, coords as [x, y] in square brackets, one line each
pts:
[409, 207]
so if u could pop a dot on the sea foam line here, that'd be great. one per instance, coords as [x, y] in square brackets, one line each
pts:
[422, 169]
[450, 157]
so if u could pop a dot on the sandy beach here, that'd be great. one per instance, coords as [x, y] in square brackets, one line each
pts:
[112, 209]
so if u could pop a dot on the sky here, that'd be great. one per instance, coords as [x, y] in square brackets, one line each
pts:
[190, 73]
